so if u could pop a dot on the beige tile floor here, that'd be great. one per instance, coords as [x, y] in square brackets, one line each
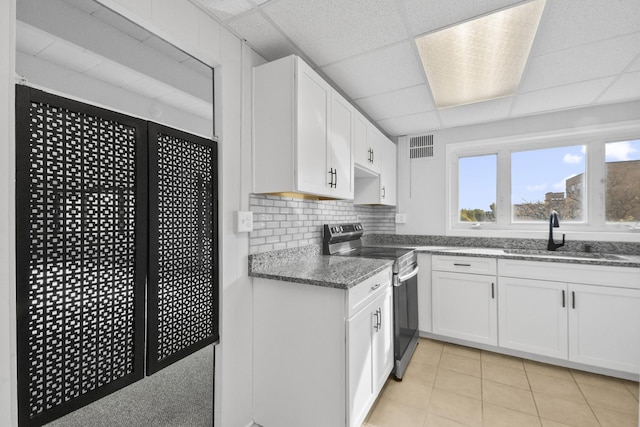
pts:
[451, 385]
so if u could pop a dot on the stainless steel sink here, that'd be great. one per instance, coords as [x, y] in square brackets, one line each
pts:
[563, 254]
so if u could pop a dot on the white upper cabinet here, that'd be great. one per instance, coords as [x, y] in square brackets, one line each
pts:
[340, 147]
[379, 189]
[367, 144]
[302, 132]
[388, 172]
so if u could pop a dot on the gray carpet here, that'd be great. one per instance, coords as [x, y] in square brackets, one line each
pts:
[180, 395]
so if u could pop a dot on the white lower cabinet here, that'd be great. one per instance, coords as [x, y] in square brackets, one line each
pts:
[595, 323]
[370, 355]
[588, 315]
[532, 316]
[321, 355]
[464, 306]
[604, 327]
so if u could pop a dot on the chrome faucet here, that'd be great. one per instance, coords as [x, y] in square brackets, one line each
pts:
[553, 222]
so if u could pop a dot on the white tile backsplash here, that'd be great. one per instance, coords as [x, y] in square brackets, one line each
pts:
[284, 222]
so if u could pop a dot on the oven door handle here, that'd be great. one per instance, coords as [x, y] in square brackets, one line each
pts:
[406, 276]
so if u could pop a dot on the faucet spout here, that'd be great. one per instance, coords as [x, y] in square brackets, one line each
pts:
[553, 222]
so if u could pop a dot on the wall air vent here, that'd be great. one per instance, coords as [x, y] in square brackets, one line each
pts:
[421, 146]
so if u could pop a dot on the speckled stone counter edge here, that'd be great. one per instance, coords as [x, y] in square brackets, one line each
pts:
[307, 265]
[623, 248]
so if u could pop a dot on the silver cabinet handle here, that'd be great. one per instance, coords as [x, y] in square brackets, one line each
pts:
[462, 265]
[374, 287]
[563, 301]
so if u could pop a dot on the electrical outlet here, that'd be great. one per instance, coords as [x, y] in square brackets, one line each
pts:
[244, 221]
[401, 218]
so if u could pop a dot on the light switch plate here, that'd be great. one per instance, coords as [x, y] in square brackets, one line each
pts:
[401, 218]
[244, 221]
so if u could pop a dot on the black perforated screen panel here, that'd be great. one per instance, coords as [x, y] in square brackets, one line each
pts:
[182, 307]
[81, 240]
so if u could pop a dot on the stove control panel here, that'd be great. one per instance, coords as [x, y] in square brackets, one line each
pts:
[344, 228]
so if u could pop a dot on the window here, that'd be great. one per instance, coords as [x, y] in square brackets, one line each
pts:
[477, 191]
[622, 177]
[508, 186]
[548, 180]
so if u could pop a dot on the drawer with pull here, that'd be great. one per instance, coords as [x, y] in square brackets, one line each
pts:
[464, 264]
[363, 293]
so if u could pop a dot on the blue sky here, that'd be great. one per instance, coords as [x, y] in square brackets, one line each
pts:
[533, 173]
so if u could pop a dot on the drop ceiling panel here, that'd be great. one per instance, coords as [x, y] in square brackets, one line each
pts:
[384, 70]
[332, 30]
[561, 97]
[84, 5]
[426, 16]
[586, 62]
[114, 20]
[401, 102]
[223, 9]
[487, 111]
[627, 86]
[566, 24]
[70, 56]
[150, 88]
[165, 48]
[635, 65]
[201, 109]
[30, 40]
[262, 36]
[198, 66]
[180, 100]
[414, 123]
[113, 73]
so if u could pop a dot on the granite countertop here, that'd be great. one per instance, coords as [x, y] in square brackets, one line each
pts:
[322, 270]
[611, 260]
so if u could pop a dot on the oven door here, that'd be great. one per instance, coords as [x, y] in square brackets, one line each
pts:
[405, 315]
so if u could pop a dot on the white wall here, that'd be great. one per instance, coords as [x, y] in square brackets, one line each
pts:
[422, 191]
[8, 395]
[188, 28]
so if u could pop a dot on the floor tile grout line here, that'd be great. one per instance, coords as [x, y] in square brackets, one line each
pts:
[533, 396]
[585, 397]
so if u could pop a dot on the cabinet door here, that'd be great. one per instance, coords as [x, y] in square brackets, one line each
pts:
[361, 145]
[340, 147]
[314, 97]
[388, 172]
[373, 151]
[383, 340]
[464, 306]
[532, 316]
[604, 327]
[360, 387]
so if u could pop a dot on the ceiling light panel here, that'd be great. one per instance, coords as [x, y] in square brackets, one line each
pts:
[480, 59]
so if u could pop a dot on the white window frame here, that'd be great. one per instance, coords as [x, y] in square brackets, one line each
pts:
[594, 226]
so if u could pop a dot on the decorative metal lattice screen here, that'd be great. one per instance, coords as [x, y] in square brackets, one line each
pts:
[81, 241]
[182, 288]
